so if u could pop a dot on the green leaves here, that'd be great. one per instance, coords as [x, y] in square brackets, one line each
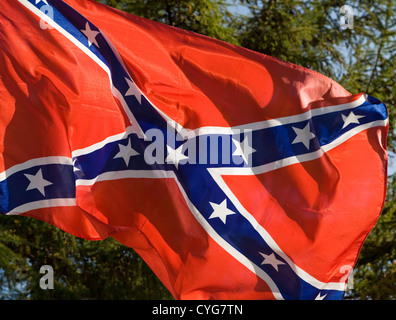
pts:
[208, 17]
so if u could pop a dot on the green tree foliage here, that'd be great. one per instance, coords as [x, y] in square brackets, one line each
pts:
[208, 17]
[362, 59]
[82, 269]
[305, 32]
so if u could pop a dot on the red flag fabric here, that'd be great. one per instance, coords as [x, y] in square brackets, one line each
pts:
[234, 175]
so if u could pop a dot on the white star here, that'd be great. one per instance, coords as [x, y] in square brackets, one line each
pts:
[271, 259]
[220, 211]
[243, 149]
[133, 91]
[351, 118]
[303, 135]
[75, 168]
[37, 182]
[45, 1]
[319, 297]
[91, 35]
[126, 152]
[175, 155]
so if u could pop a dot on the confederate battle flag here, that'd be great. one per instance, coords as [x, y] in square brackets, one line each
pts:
[234, 175]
